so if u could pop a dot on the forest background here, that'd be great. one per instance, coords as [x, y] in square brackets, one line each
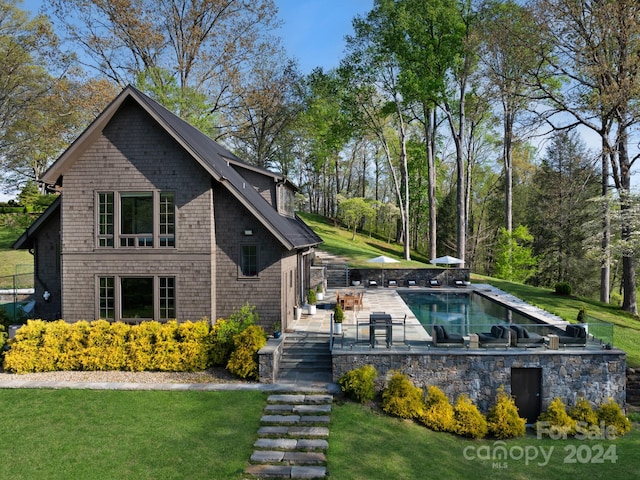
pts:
[452, 126]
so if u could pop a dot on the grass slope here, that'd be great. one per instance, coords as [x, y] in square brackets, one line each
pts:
[626, 330]
[366, 445]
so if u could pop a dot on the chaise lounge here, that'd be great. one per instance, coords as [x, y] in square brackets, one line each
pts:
[521, 337]
[442, 338]
[499, 336]
[574, 336]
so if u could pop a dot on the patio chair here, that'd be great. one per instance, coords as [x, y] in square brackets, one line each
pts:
[521, 337]
[574, 336]
[442, 338]
[499, 336]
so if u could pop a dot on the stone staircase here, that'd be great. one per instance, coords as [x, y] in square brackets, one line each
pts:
[305, 358]
[293, 437]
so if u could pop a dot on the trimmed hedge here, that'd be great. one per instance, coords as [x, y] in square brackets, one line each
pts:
[41, 346]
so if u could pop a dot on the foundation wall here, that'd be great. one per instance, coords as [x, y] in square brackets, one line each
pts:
[595, 376]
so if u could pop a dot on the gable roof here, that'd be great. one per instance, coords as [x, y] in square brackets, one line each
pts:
[292, 233]
[26, 239]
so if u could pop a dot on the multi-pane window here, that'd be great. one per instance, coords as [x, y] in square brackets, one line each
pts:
[137, 298]
[167, 298]
[105, 219]
[136, 219]
[249, 261]
[107, 298]
[167, 220]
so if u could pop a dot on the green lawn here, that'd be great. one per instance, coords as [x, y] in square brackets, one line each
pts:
[99, 434]
[367, 446]
[89, 434]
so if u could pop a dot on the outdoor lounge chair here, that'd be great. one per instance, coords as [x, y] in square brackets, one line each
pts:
[499, 336]
[442, 338]
[460, 283]
[373, 284]
[574, 336]
[392, 283]
[412, 283]
[433, 283]
[521, 337]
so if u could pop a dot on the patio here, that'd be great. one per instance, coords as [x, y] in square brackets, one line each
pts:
[595, 371]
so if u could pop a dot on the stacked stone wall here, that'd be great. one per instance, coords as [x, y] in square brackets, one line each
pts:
[595, 376]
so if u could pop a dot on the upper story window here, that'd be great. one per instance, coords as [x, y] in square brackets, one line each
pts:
[136, 219]
[249, 261]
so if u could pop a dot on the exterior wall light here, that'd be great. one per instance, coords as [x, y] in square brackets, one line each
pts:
[248, 233]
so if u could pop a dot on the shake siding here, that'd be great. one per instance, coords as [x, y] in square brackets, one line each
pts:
[47, 271]
[263, 184]
[135, 154]
[263, 292]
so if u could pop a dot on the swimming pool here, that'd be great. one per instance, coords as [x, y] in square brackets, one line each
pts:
[460, 312]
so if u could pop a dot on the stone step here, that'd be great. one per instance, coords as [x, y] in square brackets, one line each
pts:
[270, 431]
[305, 409]
[294, 419]
[299, 444]
[288, 457]
[298, 398]
[284, 471]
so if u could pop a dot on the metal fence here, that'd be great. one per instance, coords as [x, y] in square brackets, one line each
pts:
[15, 291]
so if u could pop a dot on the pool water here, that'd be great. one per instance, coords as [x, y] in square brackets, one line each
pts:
[460, 312]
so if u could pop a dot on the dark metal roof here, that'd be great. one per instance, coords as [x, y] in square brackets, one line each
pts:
[293, 233]
[26, 239]
[294, 230]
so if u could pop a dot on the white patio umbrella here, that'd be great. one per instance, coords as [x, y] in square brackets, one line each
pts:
[446, 260]
[383, 259]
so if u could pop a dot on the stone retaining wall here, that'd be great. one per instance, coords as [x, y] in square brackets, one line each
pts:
[568, 375]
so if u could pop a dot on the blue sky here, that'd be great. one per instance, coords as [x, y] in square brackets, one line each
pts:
[314, 30]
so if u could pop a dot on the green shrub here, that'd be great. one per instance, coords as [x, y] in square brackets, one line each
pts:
[438, 411]
[106, 346]
[244, 358]
[503, 419]
[469, 422]
[584, 413]
[558, 422]
[359, 383]
[563, 288]
[141, 347]
[611, 414]
[401, 398]
[44, 346]
[3, 335]
[195, 345]
[224, 331]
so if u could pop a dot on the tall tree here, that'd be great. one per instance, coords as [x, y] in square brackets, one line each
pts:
[207, 44]
[596, 44]
[564, 184]
[507, 62]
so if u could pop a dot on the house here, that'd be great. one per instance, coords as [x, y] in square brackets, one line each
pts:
[155, 220]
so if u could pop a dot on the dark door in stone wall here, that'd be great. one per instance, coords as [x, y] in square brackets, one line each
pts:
[526, 389]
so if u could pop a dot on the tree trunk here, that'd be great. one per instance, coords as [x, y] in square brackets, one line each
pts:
[628, 260]
[430, 134]
[605, 265]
